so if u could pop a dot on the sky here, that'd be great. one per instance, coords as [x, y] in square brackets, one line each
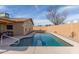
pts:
[38, 12]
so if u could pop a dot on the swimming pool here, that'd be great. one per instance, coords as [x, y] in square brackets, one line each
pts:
[41, 39]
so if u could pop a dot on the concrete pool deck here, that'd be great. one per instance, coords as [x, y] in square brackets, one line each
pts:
[40, 50]
[43, 49]
[10, 40]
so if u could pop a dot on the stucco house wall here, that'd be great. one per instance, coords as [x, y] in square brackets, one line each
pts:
[2, 27]
[16, 26]
[28, 27]
[23, 28]
[20, 26]
[18, 29]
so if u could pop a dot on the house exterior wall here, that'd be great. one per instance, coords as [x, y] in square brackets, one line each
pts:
[2, 28]
[22, 28]
[28, 27]
[18, 29]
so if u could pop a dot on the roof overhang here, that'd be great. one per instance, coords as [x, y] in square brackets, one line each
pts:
[16, 20]
[5, 21]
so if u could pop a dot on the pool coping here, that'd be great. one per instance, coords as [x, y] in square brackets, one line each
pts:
[68, 40]
[40, 50]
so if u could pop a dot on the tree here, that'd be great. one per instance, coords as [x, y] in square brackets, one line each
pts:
[55, 16]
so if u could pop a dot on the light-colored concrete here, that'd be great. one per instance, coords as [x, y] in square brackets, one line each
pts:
[40, 50]
[11, 40]
[19, 50]
[57, 50]
[7, 41]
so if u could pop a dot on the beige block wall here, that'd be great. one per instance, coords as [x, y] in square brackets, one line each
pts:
[64, 30]
[18, 29]
[28, 26]
[22, 28]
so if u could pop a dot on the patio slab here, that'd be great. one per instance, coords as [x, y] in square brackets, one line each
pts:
[42, 50]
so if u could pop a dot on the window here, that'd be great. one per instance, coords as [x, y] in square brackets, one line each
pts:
[9, 27]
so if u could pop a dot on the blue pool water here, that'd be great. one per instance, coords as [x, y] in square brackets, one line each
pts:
[41, 40]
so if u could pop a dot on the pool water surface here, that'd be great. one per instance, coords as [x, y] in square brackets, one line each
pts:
[41, 39]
